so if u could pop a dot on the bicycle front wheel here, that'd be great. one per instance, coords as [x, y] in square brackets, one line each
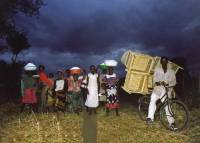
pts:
[174, 111]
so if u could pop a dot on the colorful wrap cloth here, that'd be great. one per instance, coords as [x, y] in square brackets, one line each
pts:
[29, 96]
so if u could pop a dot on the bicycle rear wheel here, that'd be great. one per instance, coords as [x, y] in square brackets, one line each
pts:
[178, 111]
[143, 107]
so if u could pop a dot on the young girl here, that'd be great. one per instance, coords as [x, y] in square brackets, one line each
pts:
[92, 100]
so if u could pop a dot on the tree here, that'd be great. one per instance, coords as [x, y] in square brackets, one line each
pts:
[17, 42]
[9, 9]
[13, 41]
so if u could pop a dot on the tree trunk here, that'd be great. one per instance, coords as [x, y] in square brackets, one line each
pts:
[14, 59]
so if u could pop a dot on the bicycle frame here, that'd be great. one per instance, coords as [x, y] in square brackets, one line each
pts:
[166, 101]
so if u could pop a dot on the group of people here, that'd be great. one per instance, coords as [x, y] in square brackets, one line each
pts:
[74, 89]
[71, 90]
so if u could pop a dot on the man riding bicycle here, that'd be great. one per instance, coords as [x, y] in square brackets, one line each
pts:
[163, 76]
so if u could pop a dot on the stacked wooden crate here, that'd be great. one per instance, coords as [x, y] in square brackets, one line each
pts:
[140, 69]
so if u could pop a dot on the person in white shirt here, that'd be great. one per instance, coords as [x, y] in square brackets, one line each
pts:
[59, 90]
[163, 76]
[92, 100]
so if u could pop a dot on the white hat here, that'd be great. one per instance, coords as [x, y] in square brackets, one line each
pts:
[30, 67]
[111, 63]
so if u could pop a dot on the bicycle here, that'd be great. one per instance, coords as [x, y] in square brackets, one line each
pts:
[177, 109]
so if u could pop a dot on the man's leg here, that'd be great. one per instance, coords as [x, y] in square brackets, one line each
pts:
[169, 115]
[167, 108]
[152, 106]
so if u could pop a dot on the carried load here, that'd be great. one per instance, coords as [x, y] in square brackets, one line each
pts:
[103, 66]
[140, 69]
[75, 70]
[30, 67]
[111, 63]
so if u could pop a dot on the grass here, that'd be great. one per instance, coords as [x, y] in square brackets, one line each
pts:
[67, 128]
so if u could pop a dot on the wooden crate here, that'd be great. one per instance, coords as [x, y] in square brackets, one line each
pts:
[137, 62]
[140, 69]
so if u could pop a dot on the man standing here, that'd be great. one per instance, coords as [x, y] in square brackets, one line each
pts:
[93, 85]
[163, 76]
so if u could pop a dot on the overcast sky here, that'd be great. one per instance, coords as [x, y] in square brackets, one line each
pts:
[85, 32]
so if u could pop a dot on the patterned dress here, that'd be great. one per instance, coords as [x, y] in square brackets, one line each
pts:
[60, 88]
[74, 95]
[112, 98]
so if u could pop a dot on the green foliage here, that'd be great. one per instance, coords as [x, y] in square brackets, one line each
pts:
[9, 8]
[17, 42]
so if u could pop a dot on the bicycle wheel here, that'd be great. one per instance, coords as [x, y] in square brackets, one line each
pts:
[143, 107]
[177, 112]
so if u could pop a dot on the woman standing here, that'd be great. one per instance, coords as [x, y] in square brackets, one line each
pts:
[111, 88]
[29, 87]
[74, 91]
[92, 100]
[44, 85]
[60, 88]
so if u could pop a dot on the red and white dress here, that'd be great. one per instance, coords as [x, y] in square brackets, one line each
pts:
[112, 98]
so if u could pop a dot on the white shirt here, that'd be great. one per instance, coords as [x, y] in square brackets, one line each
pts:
[168, 77]
[60, 85]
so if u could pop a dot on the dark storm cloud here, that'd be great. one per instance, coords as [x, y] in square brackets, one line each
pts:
[97, 27]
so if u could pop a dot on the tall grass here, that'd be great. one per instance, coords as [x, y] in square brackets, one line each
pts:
[67, 128]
